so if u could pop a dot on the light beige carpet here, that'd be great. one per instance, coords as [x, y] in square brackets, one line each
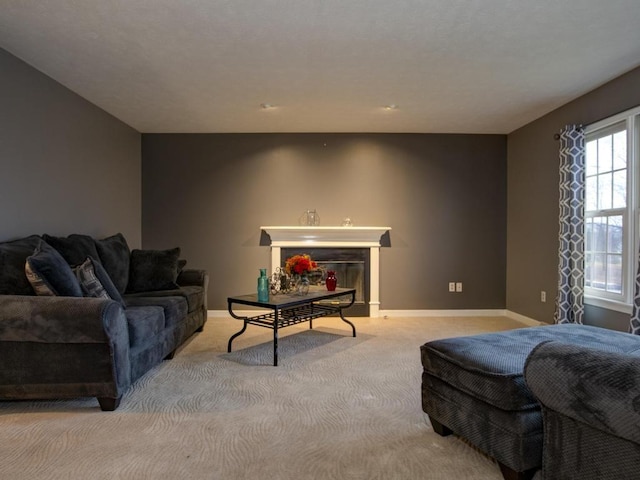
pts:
[337, 407]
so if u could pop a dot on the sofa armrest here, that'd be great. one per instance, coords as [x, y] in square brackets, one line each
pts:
[193, 277]
[594, 387]
[63, 346]
[198, 278]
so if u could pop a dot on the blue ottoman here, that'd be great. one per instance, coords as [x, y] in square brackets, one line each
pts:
[474, 387]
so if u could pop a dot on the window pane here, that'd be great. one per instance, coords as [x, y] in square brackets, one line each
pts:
[604, 191]
[588, 232]
[620, 189]
[604, 154]
[615, 234]
[591, 157]
[587, 269]
[591, 194]
[599, 236]
[598, 269]
[620, 150]
[614, 273]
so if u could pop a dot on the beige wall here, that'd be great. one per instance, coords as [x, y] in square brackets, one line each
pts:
[443, 195]
[66, 166]
[532, 214]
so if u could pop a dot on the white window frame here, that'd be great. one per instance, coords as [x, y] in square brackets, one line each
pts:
[631, 214]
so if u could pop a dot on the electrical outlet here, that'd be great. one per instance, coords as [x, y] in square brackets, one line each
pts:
[543, 296]
[452, 286]
[459, 287]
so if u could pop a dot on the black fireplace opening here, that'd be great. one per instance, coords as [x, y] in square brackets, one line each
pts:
[352, 267]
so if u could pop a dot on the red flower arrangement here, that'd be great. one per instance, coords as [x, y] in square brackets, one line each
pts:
[299, 264]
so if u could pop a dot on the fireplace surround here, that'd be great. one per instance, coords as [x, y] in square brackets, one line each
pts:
[344, 240]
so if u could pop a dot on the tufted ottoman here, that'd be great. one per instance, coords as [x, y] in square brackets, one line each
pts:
[474, 386]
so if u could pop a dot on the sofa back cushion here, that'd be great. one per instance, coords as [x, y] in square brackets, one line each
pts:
[50, 274]
[74, 249]
[13, 255]
[115, 255]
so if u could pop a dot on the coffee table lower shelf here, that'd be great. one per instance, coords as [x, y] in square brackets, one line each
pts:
[287, 310]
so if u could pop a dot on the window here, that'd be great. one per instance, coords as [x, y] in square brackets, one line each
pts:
[611, 245]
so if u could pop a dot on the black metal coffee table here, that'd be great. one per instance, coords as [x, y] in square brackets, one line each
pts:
[287, 310]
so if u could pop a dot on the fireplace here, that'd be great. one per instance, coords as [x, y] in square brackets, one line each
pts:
[354, 252]
[351, 265]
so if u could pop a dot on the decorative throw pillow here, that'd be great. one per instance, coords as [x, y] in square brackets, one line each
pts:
[13, 255]
[95, 281]
[152, 270]
[50, 274]
[115, 255]
[37, 282]
[74, 248]
[91, 286]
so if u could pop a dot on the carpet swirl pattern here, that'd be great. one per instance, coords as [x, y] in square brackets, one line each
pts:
[337, 407]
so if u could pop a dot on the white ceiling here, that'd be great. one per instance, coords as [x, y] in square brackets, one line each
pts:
[452, 66]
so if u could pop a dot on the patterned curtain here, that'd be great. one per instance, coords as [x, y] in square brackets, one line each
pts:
[634, 326]
[570, 299]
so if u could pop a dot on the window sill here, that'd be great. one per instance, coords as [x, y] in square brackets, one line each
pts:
[608, 304]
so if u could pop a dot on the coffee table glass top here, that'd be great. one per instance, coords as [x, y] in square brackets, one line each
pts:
[286, 300]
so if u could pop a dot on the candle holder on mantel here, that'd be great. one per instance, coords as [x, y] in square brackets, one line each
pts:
[310, 218]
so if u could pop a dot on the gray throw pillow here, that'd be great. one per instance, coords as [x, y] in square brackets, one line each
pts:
[115, 255]
[13, 256]
[152, 270]
[50, 274]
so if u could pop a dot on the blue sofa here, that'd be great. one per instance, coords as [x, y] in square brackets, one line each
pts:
[95, 331]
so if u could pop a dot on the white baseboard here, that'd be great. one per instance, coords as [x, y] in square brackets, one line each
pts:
[443, 313]
[240, 313]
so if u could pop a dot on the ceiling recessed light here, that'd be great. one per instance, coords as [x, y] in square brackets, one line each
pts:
[266, 106]
[391, 106]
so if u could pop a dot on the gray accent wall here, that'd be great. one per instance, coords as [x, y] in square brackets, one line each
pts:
[443, 195]
[532, 218]
[66, 166]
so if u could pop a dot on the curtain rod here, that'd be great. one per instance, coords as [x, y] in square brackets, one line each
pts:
[556, 136]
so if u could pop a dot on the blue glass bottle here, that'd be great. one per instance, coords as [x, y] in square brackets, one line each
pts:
[263, 286]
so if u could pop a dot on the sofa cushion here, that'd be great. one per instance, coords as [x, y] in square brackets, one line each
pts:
[490, 366]
[153, 270]
[74, 249]
[13, 255]
[114, 255]
[144, 323]
[193, 294]
[175, 308]
[95, 281]
[50, 274]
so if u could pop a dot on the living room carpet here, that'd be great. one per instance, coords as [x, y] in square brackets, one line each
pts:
[336, 407]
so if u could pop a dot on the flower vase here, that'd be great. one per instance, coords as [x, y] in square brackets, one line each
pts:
[331, 281]
[263, 286]
[301, 285]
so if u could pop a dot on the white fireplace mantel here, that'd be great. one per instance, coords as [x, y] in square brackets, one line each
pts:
[294, 236]
[333, 237]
